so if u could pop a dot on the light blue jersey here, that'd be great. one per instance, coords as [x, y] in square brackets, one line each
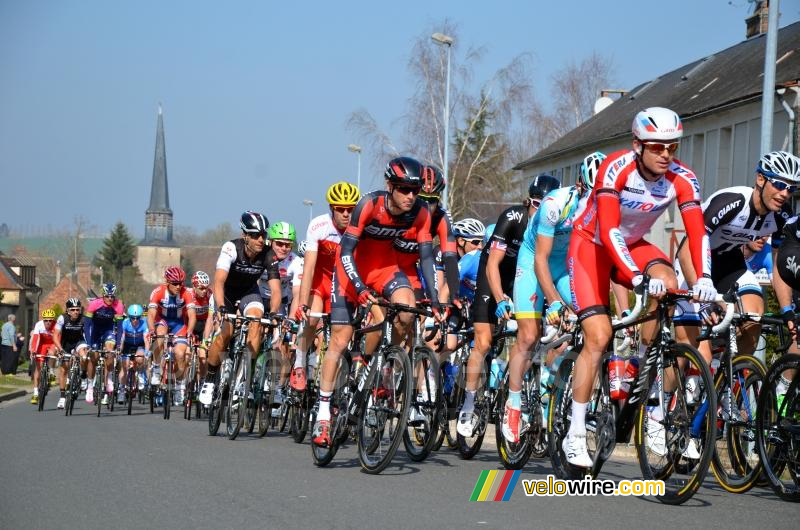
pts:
[552, 219]
[468, 274]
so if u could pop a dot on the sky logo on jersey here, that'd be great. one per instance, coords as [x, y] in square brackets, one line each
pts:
[495, 485]
[514, 216]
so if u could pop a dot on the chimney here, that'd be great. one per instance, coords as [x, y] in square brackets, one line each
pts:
[58, 272]
[756, 24]
[85, 275]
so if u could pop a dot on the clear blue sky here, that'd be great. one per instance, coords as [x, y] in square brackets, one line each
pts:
[256, 94]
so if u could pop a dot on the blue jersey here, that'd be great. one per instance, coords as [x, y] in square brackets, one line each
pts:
[761, 260]
[133, 336]
[552, 219]
[468, 274]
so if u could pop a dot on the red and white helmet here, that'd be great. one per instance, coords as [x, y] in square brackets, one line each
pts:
[200, 279]
[657, 124]
[174, 274]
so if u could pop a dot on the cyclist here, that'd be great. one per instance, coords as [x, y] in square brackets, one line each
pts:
[171, 311]
[282, 237]
[471, 237]
[102, 329]
[322, 244]
[542, 274]
[735, 217]
[496, 278]
[202, 301]
[241, 263]
[68, 337]
[367, 260]
[135, 341]
[41, 344]
[633, 188]
[758, 255]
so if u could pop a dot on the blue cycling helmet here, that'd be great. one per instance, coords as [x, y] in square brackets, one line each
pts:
[135, 311]
[109, 289]
[488, 233]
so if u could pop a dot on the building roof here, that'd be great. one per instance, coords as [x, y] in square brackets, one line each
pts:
[159, 191]
[8, 279]
[64, 289]
[724, 79]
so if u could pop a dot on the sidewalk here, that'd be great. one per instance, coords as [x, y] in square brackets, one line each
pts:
[14, 386]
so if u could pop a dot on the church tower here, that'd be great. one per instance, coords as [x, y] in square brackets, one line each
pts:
[157, 250]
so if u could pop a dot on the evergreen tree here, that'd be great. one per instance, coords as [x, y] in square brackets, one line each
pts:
[117, 252]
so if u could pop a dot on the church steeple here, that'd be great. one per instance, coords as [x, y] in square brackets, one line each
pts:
[158, 218]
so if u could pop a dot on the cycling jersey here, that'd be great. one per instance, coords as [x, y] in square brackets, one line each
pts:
[201, 304]
[553, 219]
[171, 308]
[761, 260]
[72, 333]
[243, 272]
[286, 278]
[468, 274]
[323, 238]
[623, 206]
[101, 319]
[507, 236]
[41, 340]
[133, 336]
[367, 244]
[787, 262]
[445, 256]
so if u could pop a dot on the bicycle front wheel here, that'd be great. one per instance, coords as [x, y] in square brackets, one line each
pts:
[735, 463]
[236, 409]
[778, 427]
[423, 426]
[385, 410]
[44, 376]
[675, 437]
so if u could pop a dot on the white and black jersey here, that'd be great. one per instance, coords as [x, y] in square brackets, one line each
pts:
[731, 220]
[243, 272]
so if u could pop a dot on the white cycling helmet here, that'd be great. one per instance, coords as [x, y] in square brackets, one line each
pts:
[657, 124]
[589, 168]
[301, 248]
[469, 228]
[781, 165]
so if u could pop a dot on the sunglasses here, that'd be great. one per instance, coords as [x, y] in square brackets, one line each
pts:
[343, 209]
[282, 244]
[109, 296]
[407, 190]
[175, 284]
[259, 235]
[658, 148]
[74, 310]
[48, 321]
[475, 242]
[429, 198]
[780, 185]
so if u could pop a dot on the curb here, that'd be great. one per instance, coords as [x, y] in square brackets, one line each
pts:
[12, 395]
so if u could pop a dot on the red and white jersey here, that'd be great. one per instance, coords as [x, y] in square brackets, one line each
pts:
[623, 207]
[324, 239]
[200, 304]
[41, 338]
[171, 308]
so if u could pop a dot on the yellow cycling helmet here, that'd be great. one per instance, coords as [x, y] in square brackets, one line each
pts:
[343, 194]
[48, 313]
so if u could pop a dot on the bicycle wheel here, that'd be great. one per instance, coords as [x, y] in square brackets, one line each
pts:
[217, 402]
[559, 419]
[422, 429]
[238, 395]
[44, 382]
[469, 447]
[166, 387]
[267, 382]
[385, 410]
[513, 455]
[453, 401]
[778, 427]
[300, 416]
[151, 397]
[191, 388]
[131, 390]
[678, 447]
[735, 462]
[73, 385]
[99, 387]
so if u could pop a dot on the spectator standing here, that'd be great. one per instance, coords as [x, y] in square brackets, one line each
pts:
[9, 352]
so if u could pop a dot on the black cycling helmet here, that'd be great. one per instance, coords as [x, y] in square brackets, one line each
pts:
[254, 223]
[542, 185]
[432, 182]
[405, 171]
[73, 302]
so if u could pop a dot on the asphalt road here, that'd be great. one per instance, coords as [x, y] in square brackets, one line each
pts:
[142, 472]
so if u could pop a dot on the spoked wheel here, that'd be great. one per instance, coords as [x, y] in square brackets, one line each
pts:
[300, 416]
[132, 390]
[266, 391]
[422, 428]
[339, 428]
[73, 387]
[513, 455]
[778, 428]
[151, 397]
[217, 404]
[385, 411]
[99, 388]
[677, 447]
[558, 422]
[453, 399]
[236, 408]
[735, 462]
[469, 446]
[44, 375]
[166, 392]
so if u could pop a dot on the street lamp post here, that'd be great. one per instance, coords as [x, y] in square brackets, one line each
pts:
[353, 148]
[310, 204]
[445, 40]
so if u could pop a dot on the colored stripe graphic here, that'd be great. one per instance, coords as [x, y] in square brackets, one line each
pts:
[495, 485]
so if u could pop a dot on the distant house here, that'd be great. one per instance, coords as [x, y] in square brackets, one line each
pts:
[19, 291]
[719, 99]
[71, 285]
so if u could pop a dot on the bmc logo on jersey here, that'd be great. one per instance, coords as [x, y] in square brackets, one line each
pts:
[384, 231]
[514, 216]
[405, 245]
